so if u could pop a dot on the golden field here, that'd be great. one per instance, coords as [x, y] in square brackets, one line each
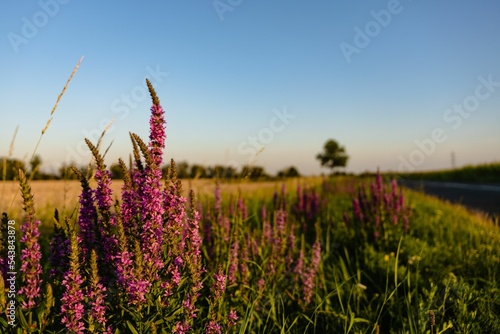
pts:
[64, 194]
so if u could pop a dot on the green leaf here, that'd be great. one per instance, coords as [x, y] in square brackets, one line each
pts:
[131, 327]
[22, 320]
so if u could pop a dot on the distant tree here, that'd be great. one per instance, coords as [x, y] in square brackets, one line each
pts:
[253, 172]
[221, 172]
[288, 172]
[9, 168]
[182, 169]
[198, 172]
[35, 164]
[333, 155]
[116, 171]
[66, 172]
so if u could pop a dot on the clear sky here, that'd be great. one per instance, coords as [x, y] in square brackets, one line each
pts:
[402, 84]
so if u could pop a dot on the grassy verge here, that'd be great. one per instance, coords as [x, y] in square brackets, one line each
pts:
[484, 173]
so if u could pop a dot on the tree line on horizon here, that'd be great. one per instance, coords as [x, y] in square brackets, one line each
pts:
[333, 156]
[9, 171]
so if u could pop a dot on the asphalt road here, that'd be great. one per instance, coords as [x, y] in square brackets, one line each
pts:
[483, 197]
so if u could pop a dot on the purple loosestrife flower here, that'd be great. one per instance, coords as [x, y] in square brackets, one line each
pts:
[263, 212]
[275, 200]
[394, 219]
[96, 294]
[375, 196]
[225, 227]
[134, 287]
[312, 207]
[232, 318]
[242, 208]
[311, 273]
[129, 205]
[188, 304]
[254, 245]
[244, 258]
[59, 253]
[181, 327]
[199, 208]
[261, 284]
[175, 210]
[357, 210]
[153, 209]
[394, 189]
[193, 235]
[156, 128]
[299, 266]
[219, 285]
[213, 327]
[207, 237]
[387, 202]
[103, 192]
[217, 202]
[280, 224]
[279, 240]
[231, 206]
[376, 231]
[102, 195]
[290, 250]
[298, 208]
[31, 269]
[150, 196]
[363, 199]
[72, 309]
[379, 184]
[157, 134]
[406, 223]
[87, 216]
[346, 219]
[176, 275]
[233, 262]
[129, 267]
[266, 229]
[193, 258]
[401, 202]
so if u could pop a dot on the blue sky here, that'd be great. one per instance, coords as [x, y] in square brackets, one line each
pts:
[401, 84]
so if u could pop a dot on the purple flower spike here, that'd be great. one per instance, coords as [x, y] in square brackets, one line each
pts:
[213, 328]
[232, 318]
[87, 218]
[311, 273]
[157, 134]
[30, 258]
[233, 260]
[72, 308]
[219, 286]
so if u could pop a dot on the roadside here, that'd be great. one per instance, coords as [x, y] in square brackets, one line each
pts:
[477, 197]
